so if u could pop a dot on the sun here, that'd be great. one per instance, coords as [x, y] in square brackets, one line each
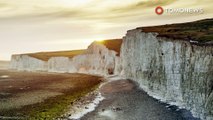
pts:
[99, 40]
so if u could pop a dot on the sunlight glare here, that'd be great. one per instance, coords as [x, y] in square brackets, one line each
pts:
[99, 40]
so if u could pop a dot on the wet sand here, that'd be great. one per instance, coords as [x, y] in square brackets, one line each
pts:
[125, 101]
[23, 92]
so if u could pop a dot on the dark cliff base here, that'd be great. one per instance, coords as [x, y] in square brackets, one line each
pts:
[198, 32]
[125, 101]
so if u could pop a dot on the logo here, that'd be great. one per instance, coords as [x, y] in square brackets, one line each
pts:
[159, 10]
[184, 10]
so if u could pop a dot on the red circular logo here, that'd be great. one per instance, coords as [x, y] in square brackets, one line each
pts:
[159, 10]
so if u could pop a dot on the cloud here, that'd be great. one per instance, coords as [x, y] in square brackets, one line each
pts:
[94, 10]
[143, 5]
[35, 25]
[3, 5]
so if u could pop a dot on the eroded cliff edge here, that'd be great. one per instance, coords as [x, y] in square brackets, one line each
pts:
[173, 64]
[174, 67]
[174, 71]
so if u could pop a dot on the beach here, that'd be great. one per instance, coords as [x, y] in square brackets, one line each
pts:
[124, 100]
[36, 95]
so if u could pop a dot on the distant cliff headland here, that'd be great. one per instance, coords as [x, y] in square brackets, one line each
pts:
[172, 63]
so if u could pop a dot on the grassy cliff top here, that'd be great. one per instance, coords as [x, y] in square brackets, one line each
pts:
[45, 56]
[201, 32]
[114, 44]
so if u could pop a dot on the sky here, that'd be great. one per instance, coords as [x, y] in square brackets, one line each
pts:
[53, 25]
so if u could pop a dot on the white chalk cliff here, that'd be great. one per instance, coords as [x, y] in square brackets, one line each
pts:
[174, 71]
[27, 63]
[97, 59]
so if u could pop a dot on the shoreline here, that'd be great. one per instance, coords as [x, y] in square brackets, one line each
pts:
[84, 105]
[113, 97]
[121, 102]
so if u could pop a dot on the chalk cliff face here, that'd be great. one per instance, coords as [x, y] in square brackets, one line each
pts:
[97, 59]
[174, 71]
[59, 64]
[25, 62]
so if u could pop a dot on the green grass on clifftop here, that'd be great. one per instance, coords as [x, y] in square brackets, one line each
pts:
[45, 56]
[199, 31]
[112, 44]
